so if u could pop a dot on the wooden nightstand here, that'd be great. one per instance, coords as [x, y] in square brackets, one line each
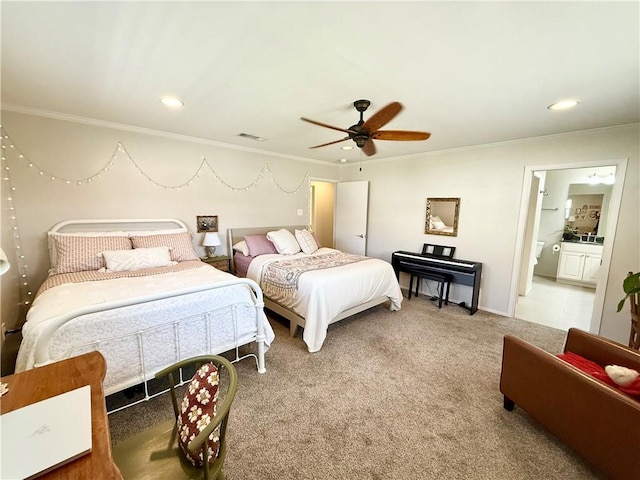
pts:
[221, 262]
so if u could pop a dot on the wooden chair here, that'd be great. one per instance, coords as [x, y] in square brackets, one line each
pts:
[443, 279]
[154, 454]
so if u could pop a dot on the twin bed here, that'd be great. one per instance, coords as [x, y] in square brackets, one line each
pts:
[136, 291]
[336, 289]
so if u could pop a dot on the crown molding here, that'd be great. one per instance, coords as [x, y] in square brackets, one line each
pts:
[38, 112]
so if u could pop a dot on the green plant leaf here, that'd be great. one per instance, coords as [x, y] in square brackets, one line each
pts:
[631, 286]
[621, 304]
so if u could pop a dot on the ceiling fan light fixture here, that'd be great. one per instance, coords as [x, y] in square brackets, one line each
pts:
[364, 133]
[360, 140]
[563, 105]
[172, 102]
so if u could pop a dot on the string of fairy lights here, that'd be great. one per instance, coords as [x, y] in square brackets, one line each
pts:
[9, 148]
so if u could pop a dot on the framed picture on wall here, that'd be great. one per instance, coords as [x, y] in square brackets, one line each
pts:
[207, 223]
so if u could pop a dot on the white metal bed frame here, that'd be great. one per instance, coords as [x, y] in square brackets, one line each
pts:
[42, 346]
[235, 235]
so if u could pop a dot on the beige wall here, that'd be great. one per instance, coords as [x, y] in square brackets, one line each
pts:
[489, 181]
[68, 150]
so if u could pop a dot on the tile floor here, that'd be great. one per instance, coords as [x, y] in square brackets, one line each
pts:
[556, 305]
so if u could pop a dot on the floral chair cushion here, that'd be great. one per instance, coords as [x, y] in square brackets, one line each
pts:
[198, 408]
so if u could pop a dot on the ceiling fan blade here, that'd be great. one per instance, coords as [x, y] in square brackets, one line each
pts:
[331, 143]
[369, 148]
[400, 135]
[382, 117]
[327, 126]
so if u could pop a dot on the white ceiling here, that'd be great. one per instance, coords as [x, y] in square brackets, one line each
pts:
[470, 73]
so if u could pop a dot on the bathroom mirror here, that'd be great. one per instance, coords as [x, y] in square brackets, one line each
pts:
[442, 216]
[587, 208]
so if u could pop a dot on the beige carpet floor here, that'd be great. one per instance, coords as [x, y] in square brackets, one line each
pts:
[400, 395]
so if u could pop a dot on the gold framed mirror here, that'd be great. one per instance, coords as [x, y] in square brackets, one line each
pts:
[442, 216]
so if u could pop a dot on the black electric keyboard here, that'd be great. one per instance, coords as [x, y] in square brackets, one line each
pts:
[463, 272]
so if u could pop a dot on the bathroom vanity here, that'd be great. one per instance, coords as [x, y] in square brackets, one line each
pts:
[579, 263]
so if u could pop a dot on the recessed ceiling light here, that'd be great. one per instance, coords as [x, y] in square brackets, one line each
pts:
[563, 105]
[347, 147]
[343, 160]
[172, 102]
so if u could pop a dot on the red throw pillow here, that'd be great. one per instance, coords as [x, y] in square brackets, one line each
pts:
[587, 366]
[595, 370]
[197, 410]
[633, 389]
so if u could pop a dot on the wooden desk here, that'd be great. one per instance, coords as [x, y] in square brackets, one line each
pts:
[44, 382]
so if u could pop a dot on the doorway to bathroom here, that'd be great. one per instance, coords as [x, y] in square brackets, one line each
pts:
[556, 214]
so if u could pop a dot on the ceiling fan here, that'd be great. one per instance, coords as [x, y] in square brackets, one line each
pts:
[363, 133]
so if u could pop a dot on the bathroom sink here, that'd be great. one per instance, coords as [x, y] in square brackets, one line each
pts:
[593, 240]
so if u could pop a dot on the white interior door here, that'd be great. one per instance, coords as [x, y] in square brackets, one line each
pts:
[352, 206]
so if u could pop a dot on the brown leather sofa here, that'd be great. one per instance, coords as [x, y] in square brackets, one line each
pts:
[597, 421]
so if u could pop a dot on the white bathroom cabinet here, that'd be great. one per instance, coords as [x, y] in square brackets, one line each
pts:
[579, 263]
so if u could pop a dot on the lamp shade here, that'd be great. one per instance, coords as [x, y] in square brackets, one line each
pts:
[4, 262]
[211, 239]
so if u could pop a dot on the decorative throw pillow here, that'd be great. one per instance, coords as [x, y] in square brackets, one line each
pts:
[197, 410]
[627, 379]
[624, 379]
[242, 247]
[315, 237]
[587, 366]
[285, 242]
[52, 249]
[81, 253]
[259, 245]
[122, 260]
[180, 244]
[306, 240]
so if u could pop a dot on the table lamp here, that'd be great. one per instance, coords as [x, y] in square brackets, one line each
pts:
[4, 262]
[210, 242]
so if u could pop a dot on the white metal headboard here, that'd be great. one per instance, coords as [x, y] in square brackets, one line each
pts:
[116, 224]
[111, 225]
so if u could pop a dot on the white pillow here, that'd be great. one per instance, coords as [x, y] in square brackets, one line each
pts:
[122, 260]
[284, 241]
[307, 242]
[623, 376]
[242, 247]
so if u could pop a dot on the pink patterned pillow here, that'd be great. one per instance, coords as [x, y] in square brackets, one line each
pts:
[259, 245]
[198, 409]
[81, 253]
[180, 244]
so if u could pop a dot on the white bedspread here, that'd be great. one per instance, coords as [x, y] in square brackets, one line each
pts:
[57, 301]
[324, 294]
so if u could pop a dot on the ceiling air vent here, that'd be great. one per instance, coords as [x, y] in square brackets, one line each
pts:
[252, 137]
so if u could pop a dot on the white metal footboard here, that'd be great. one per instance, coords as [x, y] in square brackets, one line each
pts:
[135, 352]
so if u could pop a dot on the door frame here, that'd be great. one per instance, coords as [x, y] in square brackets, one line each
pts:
[311, 202]
[609, 234]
